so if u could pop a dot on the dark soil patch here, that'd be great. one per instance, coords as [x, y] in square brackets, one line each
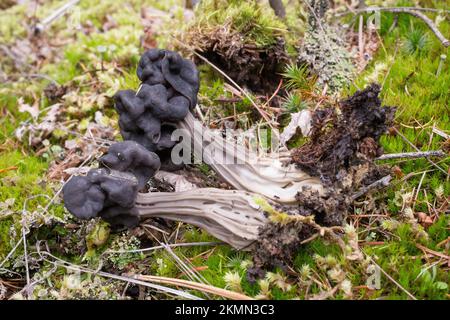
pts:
[256, 68]
[345, 143]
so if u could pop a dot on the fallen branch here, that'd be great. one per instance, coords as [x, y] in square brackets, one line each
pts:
[413, 155]
[383, 182]
[412, 11]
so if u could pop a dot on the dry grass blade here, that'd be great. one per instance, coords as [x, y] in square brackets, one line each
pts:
[59, 262]
[193, 285]
[189, 270]
[11, 252]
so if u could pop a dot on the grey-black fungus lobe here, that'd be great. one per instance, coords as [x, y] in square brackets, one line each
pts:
[168, 68]
[103, 193]
[169, 90]
[129, 156]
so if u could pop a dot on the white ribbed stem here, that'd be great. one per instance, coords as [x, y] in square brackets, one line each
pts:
[229, 215]
[244, 169]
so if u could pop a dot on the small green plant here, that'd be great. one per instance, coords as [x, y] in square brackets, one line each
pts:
[257, 23]
[416, 42]
[293, 103]
[297, 77]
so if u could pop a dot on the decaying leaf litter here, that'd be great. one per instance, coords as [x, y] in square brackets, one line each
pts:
[337, 273]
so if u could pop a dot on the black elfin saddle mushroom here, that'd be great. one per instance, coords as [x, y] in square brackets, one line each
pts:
[110, 192]
[168, 68]
[169, 90]
[103, 193]
[129, 156]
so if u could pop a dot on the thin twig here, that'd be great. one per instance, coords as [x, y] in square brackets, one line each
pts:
[11, 252]
[193, 285]
[383, 182]
[432, 252]
[184, 268]
[55, 15]
[417, 149]
[24, 238]
[371, 9]
[412, 11]
[441, 133]
[412, 155]
[172, 245]
[60, 262]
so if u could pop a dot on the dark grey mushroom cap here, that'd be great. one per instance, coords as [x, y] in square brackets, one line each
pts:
[168, 91]
[149, 67]
[102, 192]
[182, 75]
[83, 198]
[129, 156]
[141, 115]
[168, 68]
[162, 104]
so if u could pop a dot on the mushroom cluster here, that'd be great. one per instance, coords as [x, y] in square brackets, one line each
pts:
[245, 218]
[147, 118]
[168, 91]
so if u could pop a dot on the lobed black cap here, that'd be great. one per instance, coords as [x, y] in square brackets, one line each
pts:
[129, 156]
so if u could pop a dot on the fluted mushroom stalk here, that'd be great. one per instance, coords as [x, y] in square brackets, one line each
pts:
[229, 215]
[244, 169]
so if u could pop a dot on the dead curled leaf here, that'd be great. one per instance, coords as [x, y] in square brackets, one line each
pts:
[25, 107]
[179, 182]
[302, 120]
[38, 131]
[6, 208]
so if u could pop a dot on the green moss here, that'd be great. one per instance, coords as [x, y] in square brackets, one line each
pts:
[256, 22]
[10, 30]
[19, 184]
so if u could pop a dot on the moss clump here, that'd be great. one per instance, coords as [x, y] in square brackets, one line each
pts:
[256, 23]
[243, 38]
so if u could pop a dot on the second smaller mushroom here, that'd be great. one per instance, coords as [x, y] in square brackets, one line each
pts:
[112, 193]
